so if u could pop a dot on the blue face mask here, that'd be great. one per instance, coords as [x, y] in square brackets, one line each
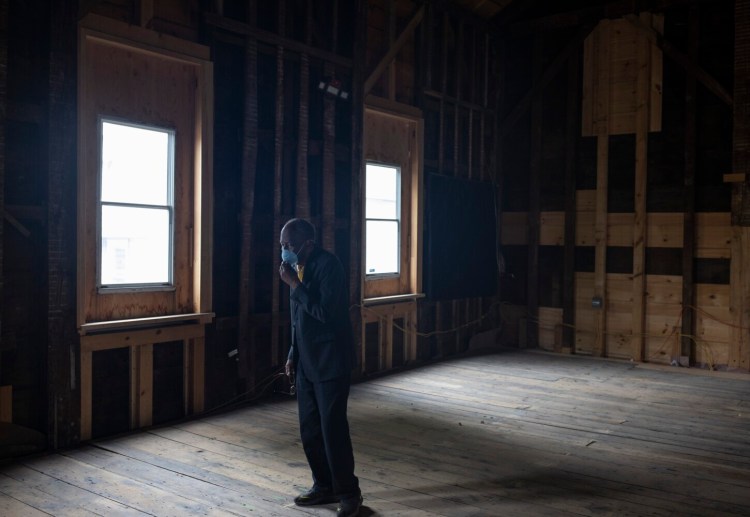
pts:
[289, 256]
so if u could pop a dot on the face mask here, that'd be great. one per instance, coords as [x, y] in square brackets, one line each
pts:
[289, 256]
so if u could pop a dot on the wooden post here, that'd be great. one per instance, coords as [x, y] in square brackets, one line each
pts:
[3, 111]
[145, 382]
[61, 226]
[329, 167]
[387, 338]
[302, 204]
[246, 343]
[391, 40]
[278, 172]
[601, 124]
[642, 118]
[532, 280]
[739, 355]
[600, 241]
[496, 164]
[687, 347]
[86, 401]
[357, 215]
[195, 376]
[573, 117]
[443, 88]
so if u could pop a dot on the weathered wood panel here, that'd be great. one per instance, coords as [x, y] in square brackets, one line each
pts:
[550, 327]
[615, 44]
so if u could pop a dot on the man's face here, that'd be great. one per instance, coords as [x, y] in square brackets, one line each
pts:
[287, 242]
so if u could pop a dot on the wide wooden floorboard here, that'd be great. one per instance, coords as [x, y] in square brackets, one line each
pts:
[508, 434]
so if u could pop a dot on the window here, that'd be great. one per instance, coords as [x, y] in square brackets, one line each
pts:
[392, 213]
[136, 206]
[383, 219]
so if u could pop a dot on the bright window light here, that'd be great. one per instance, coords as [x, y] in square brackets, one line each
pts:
[136, 206]
[383, 218]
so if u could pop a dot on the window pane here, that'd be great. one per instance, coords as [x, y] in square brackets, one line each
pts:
[381, 192]
[382, 247]
[135, 164]
[135, 245]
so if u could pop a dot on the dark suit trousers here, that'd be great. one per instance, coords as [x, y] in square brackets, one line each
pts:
[324, 430]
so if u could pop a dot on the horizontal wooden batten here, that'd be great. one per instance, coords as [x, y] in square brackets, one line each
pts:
[243, 29]
[713, 231]
[157, 321]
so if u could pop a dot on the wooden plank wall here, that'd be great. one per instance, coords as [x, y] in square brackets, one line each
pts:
[740, 302]
[446, 70]
[663, 299]
[646, 315]
[300, 157]
[3, 114]
[62, 406]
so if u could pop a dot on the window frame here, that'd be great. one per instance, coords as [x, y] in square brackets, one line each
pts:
[394, 136]
[133, 73]
[170, 208]
[398, 220]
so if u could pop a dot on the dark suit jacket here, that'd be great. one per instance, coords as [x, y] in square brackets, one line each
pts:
[322, 344]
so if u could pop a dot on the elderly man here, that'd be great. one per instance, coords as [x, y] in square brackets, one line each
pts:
[321, 357]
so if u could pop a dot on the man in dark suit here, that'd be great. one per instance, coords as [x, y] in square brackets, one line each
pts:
[322, 357]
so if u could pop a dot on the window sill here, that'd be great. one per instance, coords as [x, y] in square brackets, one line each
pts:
[396, 298]
[156, 321]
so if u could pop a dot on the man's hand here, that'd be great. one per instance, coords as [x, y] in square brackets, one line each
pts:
[289, 368]
[288, 275]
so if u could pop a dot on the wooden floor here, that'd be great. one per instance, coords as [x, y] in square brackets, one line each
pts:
[514, 433]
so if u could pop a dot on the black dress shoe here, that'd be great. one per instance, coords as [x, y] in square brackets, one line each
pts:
[315, 496]
[349, 507]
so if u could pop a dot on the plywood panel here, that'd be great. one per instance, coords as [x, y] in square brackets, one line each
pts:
[585, 228]
[614, 45]
[620, 229]
[585, 200]
[711, 295]
[664, 230]
[386, 138]
[664, 289]
[584, 336]
[550, 322]
[713, 234]
[585, 221]
[552, 229]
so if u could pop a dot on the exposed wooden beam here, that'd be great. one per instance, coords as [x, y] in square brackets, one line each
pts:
[640, 236]
[357, 169]
[511, 28]
[683, 60]
[572, 132]
[243, 29]
[739, 353]
[544, 79]
[534, 216]
[278, 173]
[3, 117]
[245, 341]
[392, 52]
[602, 187]
[688, 228]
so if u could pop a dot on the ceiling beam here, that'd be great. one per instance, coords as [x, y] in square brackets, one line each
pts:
[578, 17]
[246, 30]
[690, 66]
[389, 56]
[545, 78]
